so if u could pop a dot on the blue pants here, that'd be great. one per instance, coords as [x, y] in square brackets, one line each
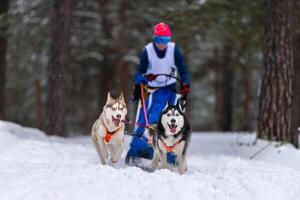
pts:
[155, 103]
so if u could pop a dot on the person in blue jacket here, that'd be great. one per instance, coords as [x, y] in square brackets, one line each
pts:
[161, 56]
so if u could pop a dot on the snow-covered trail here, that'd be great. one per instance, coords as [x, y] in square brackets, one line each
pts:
[34, 166]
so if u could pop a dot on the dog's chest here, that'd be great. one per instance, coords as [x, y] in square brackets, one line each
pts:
[110, 135]
[171, 144]
[169, 141]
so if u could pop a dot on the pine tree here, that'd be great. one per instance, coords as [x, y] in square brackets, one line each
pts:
[58, 64]
[275, 119]
[297, 70]
[3, 47]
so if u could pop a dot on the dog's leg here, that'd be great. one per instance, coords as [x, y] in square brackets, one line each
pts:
[181, 158]
[184, 162]
[155, 161]
[116, 152]
[96, 144]
[103, 150]
[164, 161]
[181, 164]
[99, 143]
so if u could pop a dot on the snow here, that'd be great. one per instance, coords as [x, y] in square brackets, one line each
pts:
[35, 166]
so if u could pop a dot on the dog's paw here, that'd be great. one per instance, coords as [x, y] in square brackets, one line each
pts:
[114, 164]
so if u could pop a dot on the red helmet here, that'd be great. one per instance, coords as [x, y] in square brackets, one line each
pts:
[162, 29]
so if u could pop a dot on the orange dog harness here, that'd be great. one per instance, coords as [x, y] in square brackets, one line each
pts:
[170, 148]
[108, 135]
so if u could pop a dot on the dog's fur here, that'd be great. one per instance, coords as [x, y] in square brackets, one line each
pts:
[111, 120]
[173, 130]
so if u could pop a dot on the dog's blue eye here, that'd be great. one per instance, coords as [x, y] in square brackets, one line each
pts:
[177, 115]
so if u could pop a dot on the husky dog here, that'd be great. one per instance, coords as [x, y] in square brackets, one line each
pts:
[108, 130]
[172, 135]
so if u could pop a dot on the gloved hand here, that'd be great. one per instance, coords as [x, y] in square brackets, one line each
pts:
[185, 89]
[151, 77]
[139, 78]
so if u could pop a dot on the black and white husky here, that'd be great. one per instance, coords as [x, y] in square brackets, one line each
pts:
[172, 135]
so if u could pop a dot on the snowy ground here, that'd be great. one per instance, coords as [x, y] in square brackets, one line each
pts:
[36, 167]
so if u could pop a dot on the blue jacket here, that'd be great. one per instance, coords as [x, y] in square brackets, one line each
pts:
[179, 62]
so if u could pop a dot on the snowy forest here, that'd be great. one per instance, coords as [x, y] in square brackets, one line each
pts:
[93, 47]
[240, 130]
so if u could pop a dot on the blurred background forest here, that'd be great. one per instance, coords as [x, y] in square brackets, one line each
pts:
[222, 41]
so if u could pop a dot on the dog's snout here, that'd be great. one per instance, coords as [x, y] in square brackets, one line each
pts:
[173, 121]
[118, 116]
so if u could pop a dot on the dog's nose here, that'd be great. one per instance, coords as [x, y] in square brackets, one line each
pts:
[118, 116]
[173, 121]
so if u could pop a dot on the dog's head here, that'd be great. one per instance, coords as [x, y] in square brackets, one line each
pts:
[172, 119]
[115, 109]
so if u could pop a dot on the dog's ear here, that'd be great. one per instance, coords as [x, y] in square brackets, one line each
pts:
[178, 103]
[109, 98]
[181, 103]
[167, 105]
[121, 97]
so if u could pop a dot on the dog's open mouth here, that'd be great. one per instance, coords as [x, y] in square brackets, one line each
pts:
[115, 121]
[172, 128]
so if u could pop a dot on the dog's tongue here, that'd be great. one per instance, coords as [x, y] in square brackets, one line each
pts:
[115, 121]
[173, 128]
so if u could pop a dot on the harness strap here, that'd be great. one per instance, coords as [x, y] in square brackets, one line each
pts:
[170, 148]
[127, 121]
[144, 105]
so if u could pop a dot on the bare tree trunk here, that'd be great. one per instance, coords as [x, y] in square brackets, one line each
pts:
[88, 122]
[3, 49]
[297, 72]
[296, 88]
[223, 88]
[106, 70]
[216, 66]
[246, 73]
[59, 61]
[38, 104]
[227, 91]
[275, 119]
[123, 48]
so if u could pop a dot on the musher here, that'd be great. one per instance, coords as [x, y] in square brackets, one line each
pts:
[160, 61]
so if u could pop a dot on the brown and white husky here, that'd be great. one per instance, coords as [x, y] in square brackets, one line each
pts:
[108, 130]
